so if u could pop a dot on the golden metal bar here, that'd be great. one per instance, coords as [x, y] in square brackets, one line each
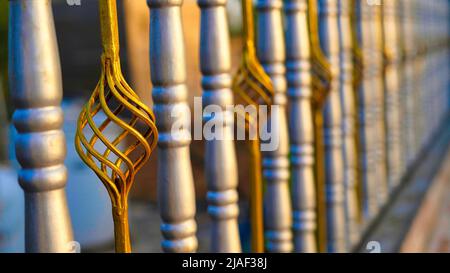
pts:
[253, 86]
[321, 87]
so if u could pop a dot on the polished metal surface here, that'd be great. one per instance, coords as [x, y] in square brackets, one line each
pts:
[347, 97]
[392, 51]
[176, 195]
[334, 160]
[301, 127]
[36, 90]
[220, 156]
[377, 64]
[366, 116]
[408, 95]
[271, 53]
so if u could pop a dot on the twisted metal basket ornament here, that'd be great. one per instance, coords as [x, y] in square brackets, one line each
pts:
[321, 79]
[253, 86]
[115, 167]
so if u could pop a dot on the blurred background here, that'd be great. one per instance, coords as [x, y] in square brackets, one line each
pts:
[78, 34]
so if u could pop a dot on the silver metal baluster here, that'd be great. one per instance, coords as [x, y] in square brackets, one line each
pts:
[334, 161]
[418, 63]
[403, 90]
[349, 115]
[379, 103]
[370, 204]
[392, 85]
[220, 156]
[301, 128]
[36, 88]
[408, 70]
[271, 53]
[176, 196]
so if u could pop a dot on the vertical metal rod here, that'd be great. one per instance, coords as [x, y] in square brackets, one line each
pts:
[271, 53]
[301, 127]
[36, 88]
[416, 78]
[347, 98]
[220, 156]
[377, 57]
[365, 97]
[256, 196]
[407, 96]
[176, 195]
[334, 161]
[392, 85]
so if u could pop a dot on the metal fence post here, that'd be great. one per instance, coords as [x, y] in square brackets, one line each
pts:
[301, 127]
[365, 103]
[271, 52]
[334, 161]
[176, 195]
[36, 88]
[347, 97]
[392, 85]
[377, 58]
[220, 156]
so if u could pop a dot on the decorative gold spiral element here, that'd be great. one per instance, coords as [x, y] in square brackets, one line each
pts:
[321, 79]
[115, 161]
[253, 86]
[321, 71]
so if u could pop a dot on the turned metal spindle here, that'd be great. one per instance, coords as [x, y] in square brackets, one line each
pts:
[392, 84]
[417, 78]
[36, 89]
[176, 196]
[365, 98]
[301, 125]
[377, 64]
[408, 82]
[220, 156]
[334, 161]
[347, 97]
[275, 164]
[403, 90]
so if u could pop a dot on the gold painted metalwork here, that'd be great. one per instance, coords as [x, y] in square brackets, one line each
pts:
[357, 79]
[321, 79]
[253, 86]
[117, 165]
